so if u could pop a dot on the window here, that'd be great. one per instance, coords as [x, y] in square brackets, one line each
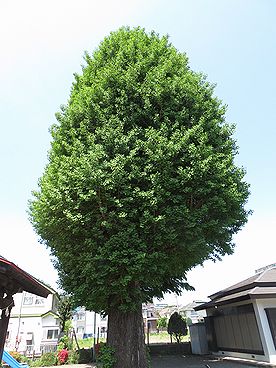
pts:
[28, 299]
[39, 300]
[52, 334]
[80, 316]
[80, 329]
[271, 315]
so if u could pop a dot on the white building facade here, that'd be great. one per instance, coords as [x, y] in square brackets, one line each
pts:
[87, 324]
[34, 325]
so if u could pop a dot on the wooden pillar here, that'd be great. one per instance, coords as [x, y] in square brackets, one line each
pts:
[4, 322]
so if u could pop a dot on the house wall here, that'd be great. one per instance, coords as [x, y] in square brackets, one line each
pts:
[195, 316]
[29, 323]
[83, 323]
[26, 303]
[236, 331]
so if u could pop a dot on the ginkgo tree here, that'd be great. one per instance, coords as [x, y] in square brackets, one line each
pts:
[141, 183]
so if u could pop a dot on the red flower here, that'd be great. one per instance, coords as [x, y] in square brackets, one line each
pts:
[63, 356]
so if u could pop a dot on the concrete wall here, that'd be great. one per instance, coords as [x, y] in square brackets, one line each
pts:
[170, 349]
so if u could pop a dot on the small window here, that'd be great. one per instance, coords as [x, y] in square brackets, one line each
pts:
[28, 299]
[39, 301]
[271, 317]
[80, 316]
[52, 334]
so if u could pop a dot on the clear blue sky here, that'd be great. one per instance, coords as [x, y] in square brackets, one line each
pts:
[42, 44]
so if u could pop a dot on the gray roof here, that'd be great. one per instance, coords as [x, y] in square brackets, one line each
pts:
[191, 306]
[267, 277]
[260, 285]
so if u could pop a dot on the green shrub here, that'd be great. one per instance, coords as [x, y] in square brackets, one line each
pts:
[162, 323]
[65, 342]
[177, 327]
[46, 360]
[73, 357]
[106, 356]
[17, 356]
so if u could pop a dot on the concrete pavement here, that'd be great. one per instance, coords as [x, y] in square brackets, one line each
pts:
[189, 361]
[193, 361]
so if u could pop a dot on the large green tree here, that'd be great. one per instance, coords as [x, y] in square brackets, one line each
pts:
[141, 183]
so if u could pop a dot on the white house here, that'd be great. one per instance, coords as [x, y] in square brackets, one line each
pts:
[191, 314]
[34, 324]
[87, 323]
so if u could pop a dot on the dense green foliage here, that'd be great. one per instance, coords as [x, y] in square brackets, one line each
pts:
[141, 183]
[177, 327]
[106, 356]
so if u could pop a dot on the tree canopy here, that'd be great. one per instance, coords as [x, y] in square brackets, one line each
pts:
[141, 183]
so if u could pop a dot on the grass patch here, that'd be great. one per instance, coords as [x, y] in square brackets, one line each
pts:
[163, 337]
[154, 338]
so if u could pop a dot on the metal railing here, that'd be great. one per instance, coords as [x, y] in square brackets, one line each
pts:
[48, 348]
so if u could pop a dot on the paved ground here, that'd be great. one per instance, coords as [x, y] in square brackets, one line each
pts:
[187, 362]
[195, 362]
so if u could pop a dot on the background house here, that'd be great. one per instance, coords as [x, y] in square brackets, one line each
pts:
[150, 317]
[84, 321]
[188, 311]
[34, 324]
[192, 315]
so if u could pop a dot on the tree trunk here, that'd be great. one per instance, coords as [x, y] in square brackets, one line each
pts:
[126, 336]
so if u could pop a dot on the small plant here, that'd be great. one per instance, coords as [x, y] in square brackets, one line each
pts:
[65, 342]
[73, 357]
[162, 323]
[46, 360]
[106, 356]
[63, 356]
[17, 356]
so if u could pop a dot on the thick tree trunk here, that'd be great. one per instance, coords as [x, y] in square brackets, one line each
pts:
[126, 336]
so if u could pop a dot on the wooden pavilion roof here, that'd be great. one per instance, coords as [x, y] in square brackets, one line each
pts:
[13, 280]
